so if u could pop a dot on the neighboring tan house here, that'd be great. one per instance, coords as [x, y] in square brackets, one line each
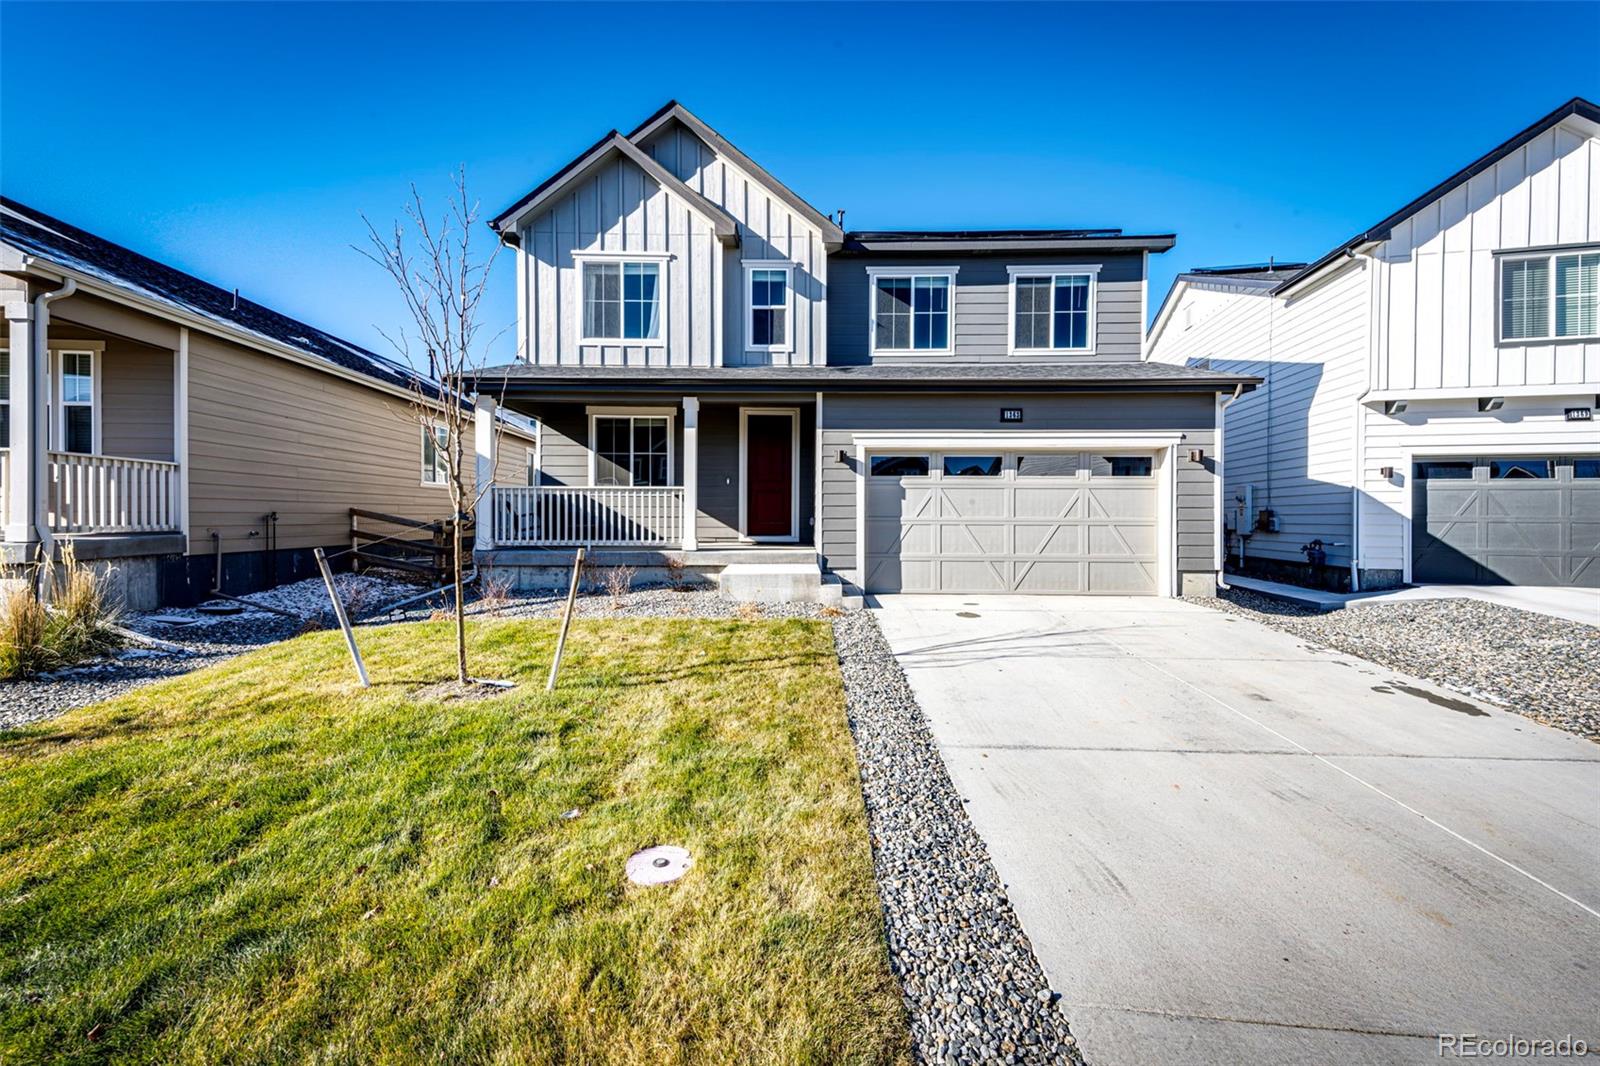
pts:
[1429, 386]
[721, 375]
[143, 410]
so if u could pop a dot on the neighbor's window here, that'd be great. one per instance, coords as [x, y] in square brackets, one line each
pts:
[1516, 469]
[435, 455]
[972, 466]
[77, 402]
[1532, 307]
[621, 301]
[1128, 465]
[911, 312]
[769, 308]
[632, 450]
[1051, 311]
[899, 466]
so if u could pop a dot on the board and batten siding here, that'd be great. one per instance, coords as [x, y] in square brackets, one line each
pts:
[769, 229]
[1293, 438]
[618, 209]
[269, 435]
[1438, 283]
[1192, 414]
[982, 308]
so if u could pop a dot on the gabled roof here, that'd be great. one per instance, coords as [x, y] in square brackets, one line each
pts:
[601, 151]
[672, 110]
[1576, 107]
[1260, 279]
[59, 244]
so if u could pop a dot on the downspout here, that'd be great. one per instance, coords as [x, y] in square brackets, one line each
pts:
[40, 456]
[1219, 489]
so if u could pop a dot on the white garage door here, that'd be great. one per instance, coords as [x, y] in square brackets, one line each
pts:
[1045, 522]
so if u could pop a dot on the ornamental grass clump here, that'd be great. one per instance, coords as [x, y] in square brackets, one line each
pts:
[72, 623]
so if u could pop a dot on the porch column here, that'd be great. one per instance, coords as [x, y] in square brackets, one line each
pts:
[691, 470]
[19, 474]
[483, 485]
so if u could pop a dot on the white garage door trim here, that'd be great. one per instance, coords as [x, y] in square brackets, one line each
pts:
[1162, 445]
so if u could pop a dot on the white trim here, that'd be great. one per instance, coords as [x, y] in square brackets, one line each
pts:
[1471, 392]
[432, 430]
[669, 413]
[657, 259]
[788, 268]
[876, 272]
[180, 424]
[630, 409]
[816, 503]
[1549, 256]
[1042, 270]
[1035, 440]
[1166, 477]
[793, 414]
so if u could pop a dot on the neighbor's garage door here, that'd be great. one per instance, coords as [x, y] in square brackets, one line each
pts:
[1506, 521]
[1057, 522]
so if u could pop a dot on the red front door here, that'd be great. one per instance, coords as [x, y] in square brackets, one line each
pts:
[769, 476]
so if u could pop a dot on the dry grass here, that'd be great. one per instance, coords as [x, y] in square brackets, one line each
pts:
[260, 862]
[74, 626]
[619, 579]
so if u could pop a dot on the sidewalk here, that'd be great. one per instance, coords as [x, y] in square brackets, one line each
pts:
[1573, 604]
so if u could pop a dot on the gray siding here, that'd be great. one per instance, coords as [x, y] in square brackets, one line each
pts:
[1191, 414]
[982, 299]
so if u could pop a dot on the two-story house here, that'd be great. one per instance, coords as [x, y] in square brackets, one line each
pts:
[721, 374]
[1429, 386]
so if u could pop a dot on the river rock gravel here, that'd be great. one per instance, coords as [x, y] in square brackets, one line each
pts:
[1547, 669]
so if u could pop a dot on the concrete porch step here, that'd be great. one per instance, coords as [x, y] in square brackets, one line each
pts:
[772, 582]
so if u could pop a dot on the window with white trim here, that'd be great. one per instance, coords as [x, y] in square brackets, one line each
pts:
[632, 450]
[621, 300]
[435, 455]
[1551, 296]
[911, 311]
[77, 402]
[1051, 311]
[768, 322]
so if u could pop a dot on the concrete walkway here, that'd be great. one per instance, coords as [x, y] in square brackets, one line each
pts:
[1226, 847]
[1573, 604]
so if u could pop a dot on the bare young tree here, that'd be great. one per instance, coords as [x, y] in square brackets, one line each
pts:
[443, 279]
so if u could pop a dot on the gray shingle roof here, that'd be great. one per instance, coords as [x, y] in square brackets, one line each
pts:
[1067, 376]
[54, 241]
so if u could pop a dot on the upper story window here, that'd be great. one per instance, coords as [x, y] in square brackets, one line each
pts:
[1052, 309]
[622, 299]
[1550, 296]
[911, 309]
[768, 288]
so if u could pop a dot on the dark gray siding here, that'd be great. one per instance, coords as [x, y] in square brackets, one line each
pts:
[982, 298]
[1191, 414]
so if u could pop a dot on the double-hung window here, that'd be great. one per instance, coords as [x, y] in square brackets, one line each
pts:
[435, 455]
[1550, 296]
[632, 449]
[911, 310]
[621, 299]
[1052, 309]
[77, 402]
[769, 285]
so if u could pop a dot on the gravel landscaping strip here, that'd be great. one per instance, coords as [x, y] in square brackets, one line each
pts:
[1547, 669]
[973, 988]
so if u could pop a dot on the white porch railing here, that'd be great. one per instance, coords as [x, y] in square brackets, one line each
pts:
[547, 515]
[108, 494]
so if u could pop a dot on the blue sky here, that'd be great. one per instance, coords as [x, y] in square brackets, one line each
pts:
[241, 142]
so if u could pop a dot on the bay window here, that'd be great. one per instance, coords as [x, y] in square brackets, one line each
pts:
[1550, 296]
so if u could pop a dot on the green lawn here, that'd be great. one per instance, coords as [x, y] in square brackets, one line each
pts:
[260, 862]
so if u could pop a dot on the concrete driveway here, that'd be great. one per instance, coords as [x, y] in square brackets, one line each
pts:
[1229, 847]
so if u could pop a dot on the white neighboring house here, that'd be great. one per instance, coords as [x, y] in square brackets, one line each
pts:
[1429, 385]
